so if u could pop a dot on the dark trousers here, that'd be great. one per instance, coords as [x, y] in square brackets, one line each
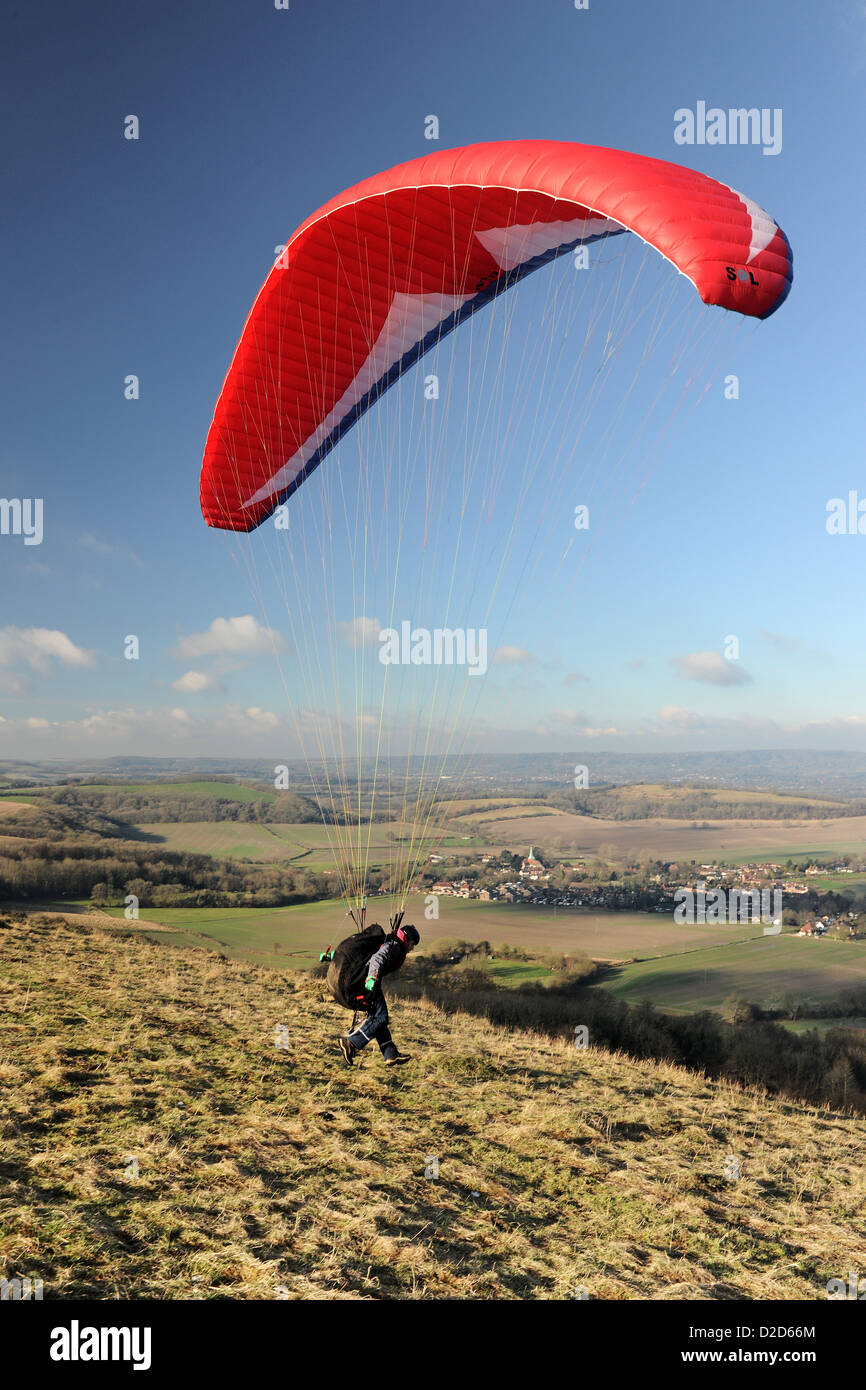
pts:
[375, 1025]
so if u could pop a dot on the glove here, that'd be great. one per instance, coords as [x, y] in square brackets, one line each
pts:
[326, 955]
[370, 982]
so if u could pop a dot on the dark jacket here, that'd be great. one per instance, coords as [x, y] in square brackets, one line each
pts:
[389, 957]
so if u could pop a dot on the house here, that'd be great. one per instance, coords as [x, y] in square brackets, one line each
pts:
[813, 929]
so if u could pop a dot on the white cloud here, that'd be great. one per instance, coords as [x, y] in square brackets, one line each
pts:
[711, 668]
[36, 646]
[195, 681]
[253, 719]
[681, 718]
[569, 718]
[243, 636]
[360, 632]
[512, 656]
[575, 678]
[151, 730]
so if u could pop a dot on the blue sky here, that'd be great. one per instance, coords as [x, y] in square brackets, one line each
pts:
[144, 257]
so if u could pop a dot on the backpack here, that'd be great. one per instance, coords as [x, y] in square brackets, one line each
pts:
[348, 969]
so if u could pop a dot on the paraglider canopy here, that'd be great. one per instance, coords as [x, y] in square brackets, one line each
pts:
[382, 272]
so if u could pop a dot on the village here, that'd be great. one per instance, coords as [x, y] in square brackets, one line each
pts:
[539, 882]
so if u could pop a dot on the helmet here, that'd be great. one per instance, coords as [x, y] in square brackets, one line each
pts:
[408, 935]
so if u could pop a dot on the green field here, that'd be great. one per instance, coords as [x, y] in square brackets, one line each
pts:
[823, 1025]
[306, 842]
[761, 971]
[299, 933]
[835, 883]
[241, 840]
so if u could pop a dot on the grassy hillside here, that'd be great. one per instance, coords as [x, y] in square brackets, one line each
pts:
[265, 1173]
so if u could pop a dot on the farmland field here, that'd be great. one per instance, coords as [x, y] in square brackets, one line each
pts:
[823, 1025]
[299, 933]
[835, 883]
[240, 840]
[733, 841]
[306, 842]
[760, 970]
[559, 832]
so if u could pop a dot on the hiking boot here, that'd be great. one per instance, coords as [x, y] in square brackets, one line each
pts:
[349, 1052]
[398, 1060]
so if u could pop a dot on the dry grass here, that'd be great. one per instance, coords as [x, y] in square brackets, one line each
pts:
[265, 1173]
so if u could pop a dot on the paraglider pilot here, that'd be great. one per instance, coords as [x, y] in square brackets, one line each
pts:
[389, 957]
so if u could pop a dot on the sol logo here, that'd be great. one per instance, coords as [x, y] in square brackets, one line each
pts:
[740, 274]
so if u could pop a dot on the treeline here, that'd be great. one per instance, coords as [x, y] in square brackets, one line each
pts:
[43, 870]
[850, 1002]
[610, 803]
[829, 1070]
[157, 806]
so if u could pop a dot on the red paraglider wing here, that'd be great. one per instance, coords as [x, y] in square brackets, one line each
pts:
[378, 275]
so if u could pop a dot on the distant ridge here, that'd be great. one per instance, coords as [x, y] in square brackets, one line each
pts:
[815, 772]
